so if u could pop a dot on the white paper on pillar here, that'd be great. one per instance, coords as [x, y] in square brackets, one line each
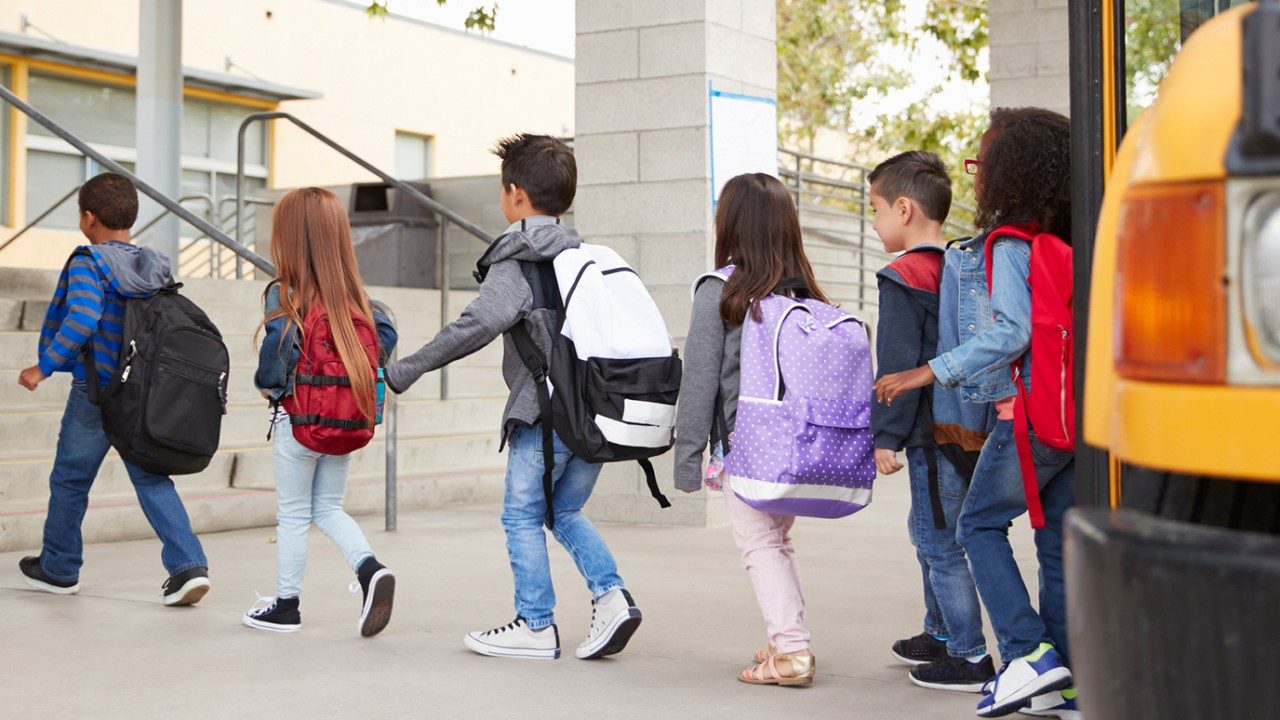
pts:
[744, 137]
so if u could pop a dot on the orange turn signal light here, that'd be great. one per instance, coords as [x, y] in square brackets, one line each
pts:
[1171, 301]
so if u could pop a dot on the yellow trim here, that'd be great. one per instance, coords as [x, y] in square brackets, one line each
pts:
[1109, 112]
[1198, 429]
[127, 80]
[17, 149]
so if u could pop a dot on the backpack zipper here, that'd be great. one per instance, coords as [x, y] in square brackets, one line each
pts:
[1062, 392]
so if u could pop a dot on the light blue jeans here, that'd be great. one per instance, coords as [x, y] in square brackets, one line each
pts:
[950, 599]
[523, 513]
[309, 488]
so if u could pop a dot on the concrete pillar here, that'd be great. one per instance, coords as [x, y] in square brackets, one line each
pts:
[159, 115]
[642, 145]
[1029, 54]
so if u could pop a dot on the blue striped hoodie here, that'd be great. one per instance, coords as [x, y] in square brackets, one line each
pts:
[88, 305]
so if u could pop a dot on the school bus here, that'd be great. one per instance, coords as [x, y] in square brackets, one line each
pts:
[1173, 574]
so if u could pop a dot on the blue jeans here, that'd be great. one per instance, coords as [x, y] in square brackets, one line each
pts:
[309, 488]
[995, 499]
[82, 446]
[523, 513]
[950, 600]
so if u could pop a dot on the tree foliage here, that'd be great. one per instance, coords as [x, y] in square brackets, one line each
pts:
[482, 18]
[832, 71]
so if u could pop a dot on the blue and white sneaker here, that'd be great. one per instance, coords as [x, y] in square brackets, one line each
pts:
[1021, 680]
[1059, 704]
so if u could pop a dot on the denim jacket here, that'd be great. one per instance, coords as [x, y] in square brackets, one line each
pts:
[995, 329]
[957, 423]
[278, 360]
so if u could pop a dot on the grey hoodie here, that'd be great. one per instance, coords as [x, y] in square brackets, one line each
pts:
[505, 299]
[134, 271]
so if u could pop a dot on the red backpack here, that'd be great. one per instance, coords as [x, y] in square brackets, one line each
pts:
[1051, 407]
[322, 408]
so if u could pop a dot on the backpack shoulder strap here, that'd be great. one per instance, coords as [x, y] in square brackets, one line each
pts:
[721, 273]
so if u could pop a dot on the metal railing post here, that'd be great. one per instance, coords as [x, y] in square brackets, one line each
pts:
[389, 409]
[442, 268]
[862, 241]
[799, 191]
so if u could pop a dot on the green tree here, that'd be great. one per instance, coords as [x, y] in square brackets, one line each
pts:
[831, 71]
[482, 18]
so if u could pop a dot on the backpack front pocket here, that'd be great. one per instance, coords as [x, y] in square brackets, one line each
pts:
[833, 442]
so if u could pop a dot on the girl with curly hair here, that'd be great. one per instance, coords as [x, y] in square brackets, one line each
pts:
[1022, 176]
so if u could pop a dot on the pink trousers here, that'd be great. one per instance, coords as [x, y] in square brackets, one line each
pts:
[770, 560]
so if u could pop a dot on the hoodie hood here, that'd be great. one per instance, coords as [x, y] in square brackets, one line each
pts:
[132, 271]
[534, 242]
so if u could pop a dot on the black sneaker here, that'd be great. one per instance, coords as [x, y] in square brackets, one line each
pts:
[921, 649]
[951, 673]
[379, 588]
[187, 587]
[34, 575]
[274, 614]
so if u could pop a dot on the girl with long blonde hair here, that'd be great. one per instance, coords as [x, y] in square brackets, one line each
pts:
[320, 340]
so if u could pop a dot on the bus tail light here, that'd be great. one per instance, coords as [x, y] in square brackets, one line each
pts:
[1171, 303]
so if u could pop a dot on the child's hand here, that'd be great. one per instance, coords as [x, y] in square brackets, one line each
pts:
[893, 385]
[887, 461]
[31, 377]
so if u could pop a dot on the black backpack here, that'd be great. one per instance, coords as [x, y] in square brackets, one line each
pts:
[615, 387]
[162, 409]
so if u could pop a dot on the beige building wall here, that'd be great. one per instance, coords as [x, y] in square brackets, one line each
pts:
[1029, 54]
[376, 77]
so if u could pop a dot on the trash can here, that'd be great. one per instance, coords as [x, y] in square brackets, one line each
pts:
[395, 236]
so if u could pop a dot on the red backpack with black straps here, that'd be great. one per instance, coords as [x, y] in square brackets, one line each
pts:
[1051, 406]
[322, 407]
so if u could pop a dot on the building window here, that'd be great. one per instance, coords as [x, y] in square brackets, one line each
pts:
[104, 116]
[413, 156]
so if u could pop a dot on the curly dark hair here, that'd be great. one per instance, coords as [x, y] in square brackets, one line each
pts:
[1026, 171]
[112, 199]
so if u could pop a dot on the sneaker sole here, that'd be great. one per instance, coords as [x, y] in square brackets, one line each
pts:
[190, 593]
[974, 687]
[51, 589]
[909, 661]
[1056, 679]
[1060, 714]
[270, 627]
[615, 638]
[487, 650]
[377, 607]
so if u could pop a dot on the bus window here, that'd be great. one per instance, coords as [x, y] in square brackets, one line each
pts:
[1153, 32]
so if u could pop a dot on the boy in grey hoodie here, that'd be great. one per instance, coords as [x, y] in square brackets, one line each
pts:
[88, 309]
[539, 180]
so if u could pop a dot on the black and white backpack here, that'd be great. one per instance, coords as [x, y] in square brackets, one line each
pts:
[609, 388]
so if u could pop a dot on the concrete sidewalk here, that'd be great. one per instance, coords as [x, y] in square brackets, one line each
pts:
[114, 651]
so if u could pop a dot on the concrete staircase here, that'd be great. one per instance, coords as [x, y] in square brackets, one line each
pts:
[447, 450]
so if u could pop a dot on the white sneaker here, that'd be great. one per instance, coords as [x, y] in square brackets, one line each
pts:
[1059, 703]
[516, 640]
[614, 619]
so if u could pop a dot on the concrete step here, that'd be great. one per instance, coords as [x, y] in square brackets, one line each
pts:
[117, 516]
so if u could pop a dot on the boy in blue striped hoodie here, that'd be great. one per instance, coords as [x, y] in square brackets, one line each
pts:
[84, 323]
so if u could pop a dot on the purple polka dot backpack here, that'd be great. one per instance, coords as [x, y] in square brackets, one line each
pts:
[802, 442]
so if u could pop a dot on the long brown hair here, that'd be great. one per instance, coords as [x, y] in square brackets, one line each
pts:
[758, 232]
[316, 262]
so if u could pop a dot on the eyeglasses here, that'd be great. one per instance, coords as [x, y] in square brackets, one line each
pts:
[971, 166]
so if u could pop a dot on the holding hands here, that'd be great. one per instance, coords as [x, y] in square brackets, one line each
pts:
[892, 385]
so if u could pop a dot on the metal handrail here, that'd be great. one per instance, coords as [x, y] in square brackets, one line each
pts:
[40, 218]
[206, 197]
[144, 187]
[434, 205]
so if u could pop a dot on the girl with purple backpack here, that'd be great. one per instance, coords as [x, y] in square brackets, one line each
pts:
[758, 315]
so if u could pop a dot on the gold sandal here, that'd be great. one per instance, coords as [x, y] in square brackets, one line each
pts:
[798, 669]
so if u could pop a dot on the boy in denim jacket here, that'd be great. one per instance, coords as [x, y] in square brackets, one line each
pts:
[911, 196]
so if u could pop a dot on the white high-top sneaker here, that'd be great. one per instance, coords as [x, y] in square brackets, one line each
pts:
[614, 619]
[516, 640]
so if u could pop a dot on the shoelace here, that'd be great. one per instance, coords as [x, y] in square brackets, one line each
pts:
[262, 605]
[505, 628]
